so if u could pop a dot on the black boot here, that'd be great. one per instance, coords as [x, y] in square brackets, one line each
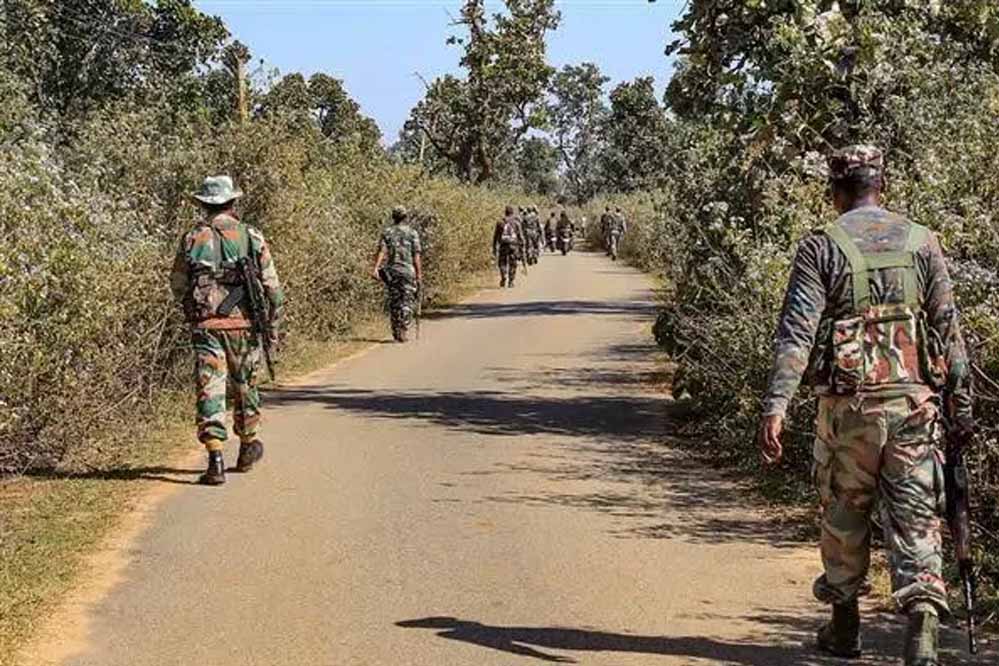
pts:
[215, 474]
[841, 636]
[250, 454]
[922, 636]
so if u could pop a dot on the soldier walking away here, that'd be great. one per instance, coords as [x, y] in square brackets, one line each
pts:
[221, 268]
[399, 264]
[532, 235]
[550, 232]
[606, 220]
[508, 243]
[869, 317]
[617, 226]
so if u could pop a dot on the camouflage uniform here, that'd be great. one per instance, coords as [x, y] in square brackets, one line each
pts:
[884, 352]
[508, 243]
[400, 244]
[226, 350]
[532, 233]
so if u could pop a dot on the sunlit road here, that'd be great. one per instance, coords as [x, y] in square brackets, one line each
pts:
[502, 491]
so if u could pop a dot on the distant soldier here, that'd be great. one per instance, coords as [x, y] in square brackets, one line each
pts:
[399, 264]
[532, 234]
[870, 318]
[617, 226]
[508, 243]
[606, 220]
[550, 224]
[209, 281]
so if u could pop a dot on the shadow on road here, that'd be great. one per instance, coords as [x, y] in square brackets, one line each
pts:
[155, 473]
[636, 309]
[780, 640]
[498, 413]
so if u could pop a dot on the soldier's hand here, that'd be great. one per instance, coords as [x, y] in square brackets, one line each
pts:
[771, 427]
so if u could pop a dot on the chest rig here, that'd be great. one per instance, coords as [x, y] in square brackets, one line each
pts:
[882, 346]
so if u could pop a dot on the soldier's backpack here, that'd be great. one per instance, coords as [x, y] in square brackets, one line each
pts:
[217, 284]
[508, 233]
[885, 345]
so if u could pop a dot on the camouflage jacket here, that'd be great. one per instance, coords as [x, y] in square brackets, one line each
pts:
[204, 273]
[820, 292]
[532, 226]
[401, 245]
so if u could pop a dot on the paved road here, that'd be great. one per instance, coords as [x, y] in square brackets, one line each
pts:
[501, 492]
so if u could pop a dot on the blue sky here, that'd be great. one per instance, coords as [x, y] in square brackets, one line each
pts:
[376, 46]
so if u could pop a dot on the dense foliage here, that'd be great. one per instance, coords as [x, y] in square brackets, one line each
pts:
[102, 142]
[762, 91]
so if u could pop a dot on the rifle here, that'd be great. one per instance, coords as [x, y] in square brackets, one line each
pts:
[259, 311]
[419, 307]
[958, 489]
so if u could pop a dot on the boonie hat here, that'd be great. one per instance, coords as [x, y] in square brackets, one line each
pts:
[217, 190]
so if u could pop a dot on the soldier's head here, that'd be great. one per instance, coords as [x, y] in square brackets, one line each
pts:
[399, 215]
[856, 177]
[217, 194]
[509, 210]
[618, 210]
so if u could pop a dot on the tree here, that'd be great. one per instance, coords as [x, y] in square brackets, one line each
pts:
[820, 72]
[636, 132]
[475, 121]
[322, 104]
[537, 166]
[577, 111]
[77, 55]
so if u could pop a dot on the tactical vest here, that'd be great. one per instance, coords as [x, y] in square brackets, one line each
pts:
[217, 284]
[882, 346]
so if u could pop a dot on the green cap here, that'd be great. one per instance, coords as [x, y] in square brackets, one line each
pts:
[217, 190]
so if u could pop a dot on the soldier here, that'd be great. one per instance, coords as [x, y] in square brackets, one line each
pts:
[606, 220]
[508, 243]
[870, 315]
[399, 264]
[532, 234]
[550, 232]
[616, 228]
[210, 284]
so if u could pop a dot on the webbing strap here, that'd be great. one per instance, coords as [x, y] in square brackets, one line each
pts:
[862, 265]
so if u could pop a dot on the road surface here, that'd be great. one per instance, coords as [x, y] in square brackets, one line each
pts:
[500, 492]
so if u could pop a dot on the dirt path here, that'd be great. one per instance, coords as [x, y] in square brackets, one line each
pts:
[500, 492]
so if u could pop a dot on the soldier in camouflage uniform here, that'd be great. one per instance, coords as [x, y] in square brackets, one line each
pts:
[508, 243]
[399, 265]
[532, 234]
[870, 318]
[208, 282]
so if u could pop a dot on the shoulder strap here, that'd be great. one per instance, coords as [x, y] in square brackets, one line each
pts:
[858, 266]
[862, 265]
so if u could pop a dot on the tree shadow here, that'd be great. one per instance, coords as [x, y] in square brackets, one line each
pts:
[778, 639]
[159, 474]
[497, 413]
[640, 308]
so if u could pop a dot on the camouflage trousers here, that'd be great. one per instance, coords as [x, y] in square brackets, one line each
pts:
[402, 294]
[226, 363]
[872, 450]
[508, 258]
